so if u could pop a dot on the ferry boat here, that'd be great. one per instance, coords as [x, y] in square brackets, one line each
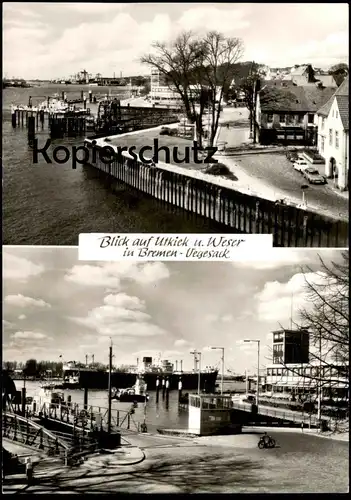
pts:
[94, 377]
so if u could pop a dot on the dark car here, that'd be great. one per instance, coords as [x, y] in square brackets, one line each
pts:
[313, 176]
[292, 155]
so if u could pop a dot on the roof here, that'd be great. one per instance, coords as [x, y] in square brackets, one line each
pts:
[342, 99]
[326, 80]
[293, 98]
[300, 70]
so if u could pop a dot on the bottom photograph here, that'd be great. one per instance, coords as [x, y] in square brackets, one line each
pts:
[175, 377]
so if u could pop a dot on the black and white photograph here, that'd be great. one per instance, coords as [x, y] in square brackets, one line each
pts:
[176, 377]
[175, 117]
[175, 208]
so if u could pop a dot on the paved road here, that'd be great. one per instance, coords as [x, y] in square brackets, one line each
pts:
[276, 172]
[233, 465]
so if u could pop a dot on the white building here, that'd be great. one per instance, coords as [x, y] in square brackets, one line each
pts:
[164, 95]
[303, 378]
[332, 120]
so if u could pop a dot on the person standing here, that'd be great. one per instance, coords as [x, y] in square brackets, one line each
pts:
[29, 471]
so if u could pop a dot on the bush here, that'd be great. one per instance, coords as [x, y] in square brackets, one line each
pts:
[221, 170]
[165, 131]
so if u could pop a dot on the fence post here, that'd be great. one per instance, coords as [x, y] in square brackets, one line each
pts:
[41, 444]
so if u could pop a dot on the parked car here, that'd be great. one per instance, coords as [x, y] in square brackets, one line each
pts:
[313, 176]
[300, 165]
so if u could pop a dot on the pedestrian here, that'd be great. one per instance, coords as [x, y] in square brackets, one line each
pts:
[29, 471]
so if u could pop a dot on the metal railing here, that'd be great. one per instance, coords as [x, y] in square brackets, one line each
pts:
[280, 414]
[91, 418]
[24, 431]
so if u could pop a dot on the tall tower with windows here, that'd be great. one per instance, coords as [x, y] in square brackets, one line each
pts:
[290, 346]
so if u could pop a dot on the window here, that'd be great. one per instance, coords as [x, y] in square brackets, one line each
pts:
[285, 372]
[279, 371]
[323, 123]
[269, 372]
[278, 337]
[299, 118]
[282, 118]
[289, 119]
[330, 137]
[270, 118]
[310, 118]
[322, 144]
[336, 139]
[277, 353]
[274, 371]
[336, 114]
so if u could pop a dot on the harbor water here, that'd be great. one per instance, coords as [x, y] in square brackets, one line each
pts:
[50, 204]
[158, 415]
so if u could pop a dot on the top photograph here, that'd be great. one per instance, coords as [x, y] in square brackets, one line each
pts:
[175, 118]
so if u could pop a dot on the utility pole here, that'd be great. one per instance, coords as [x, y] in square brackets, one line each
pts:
[319, 377]
[109, 390]
[197, 360]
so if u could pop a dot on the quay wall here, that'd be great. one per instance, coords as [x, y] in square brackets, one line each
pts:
[214, 198]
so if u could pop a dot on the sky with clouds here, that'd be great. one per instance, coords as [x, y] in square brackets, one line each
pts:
[55, 40]
[56, 305]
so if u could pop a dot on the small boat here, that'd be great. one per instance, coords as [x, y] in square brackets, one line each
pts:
[137, 393]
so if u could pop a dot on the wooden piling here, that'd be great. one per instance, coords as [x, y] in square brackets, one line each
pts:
[14, 118]
[157, 389]
[85, 398]
[31, 128]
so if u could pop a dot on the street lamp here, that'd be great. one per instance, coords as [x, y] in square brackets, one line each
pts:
[258, 368]
[222, 358]
[197, 358]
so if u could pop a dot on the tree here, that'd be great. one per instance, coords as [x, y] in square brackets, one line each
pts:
[339, 71]
[326, 317]
[30, 368]
[197, 68]
[327, 313]
[250, 85]
[220, 54]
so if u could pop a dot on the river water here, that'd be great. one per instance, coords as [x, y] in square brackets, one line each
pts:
[51, 204]
[158, 415]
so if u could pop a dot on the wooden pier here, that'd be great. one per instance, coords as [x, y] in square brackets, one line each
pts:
[59, 124]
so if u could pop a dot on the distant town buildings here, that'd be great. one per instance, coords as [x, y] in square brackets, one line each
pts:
[301, 75]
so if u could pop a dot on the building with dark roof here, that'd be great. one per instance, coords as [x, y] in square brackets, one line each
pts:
[332, 120]
[286, 112]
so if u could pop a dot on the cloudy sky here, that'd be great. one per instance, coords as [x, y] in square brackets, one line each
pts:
[56, 305]
[53, 40]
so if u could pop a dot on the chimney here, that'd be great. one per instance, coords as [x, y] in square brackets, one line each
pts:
[176, 363]
[181, 365]
[86, 360]
[93, 358]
